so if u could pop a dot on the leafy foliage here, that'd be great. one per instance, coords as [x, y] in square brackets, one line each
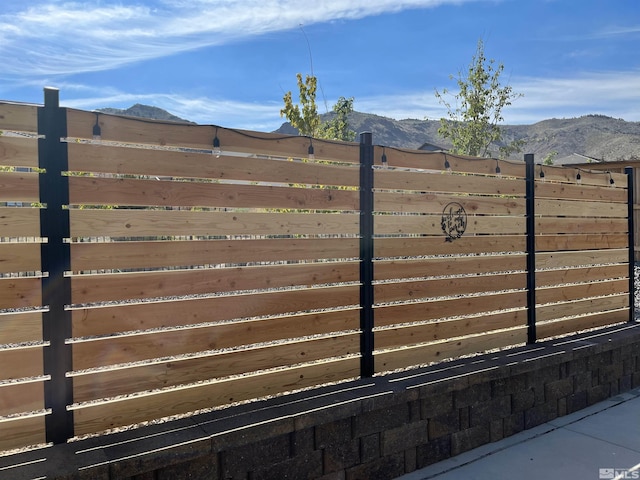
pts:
[338, 127]
[472, 125]
[304, 116]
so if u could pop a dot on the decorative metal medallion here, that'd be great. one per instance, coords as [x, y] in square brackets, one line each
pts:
[454, 221]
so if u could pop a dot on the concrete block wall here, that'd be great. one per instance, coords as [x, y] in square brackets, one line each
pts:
[376, 428]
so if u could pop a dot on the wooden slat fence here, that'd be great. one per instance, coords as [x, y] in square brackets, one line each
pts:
[197, 279]
[22, 374]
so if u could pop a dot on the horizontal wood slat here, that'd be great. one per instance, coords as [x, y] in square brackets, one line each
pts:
[435, 203]
[406, 247]
[19, 292]
[111, 383]
[21, 362]
[19, 257]
[592, 241]
[432, 225]
[412, 290]
[19, 151]
[112, 287]
[19, 432]
[128, 223]
[442, 182]
[159, 133]
[19, 222]
[433, 352]
[581, 307]
[119, 191]
[19, 187]
[545, 226]
[568, 175]
[574, 275]
[438, 309]
[552, 329]
[443, 330]
[18, 117]
[133, 161]
[21, 397]
[568, 208]
[579, 258]
[20, 327]
[576, 292]
[134, 348]
[580, 192]
[424, 267]
[156, 254]
[91, 418]
[458, 163]
[131, 317]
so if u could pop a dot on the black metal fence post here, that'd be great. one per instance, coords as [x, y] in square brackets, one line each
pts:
[632, 242]
[56, 260]
[531, 248]
[366, 254]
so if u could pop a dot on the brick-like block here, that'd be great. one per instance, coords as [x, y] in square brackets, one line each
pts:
[539, 414]
[598, 394]
[435, 451]
[599, 360]
[480, 392]
[385, 468]
[496, 430]
[205, 467]
[485, 412]
[340, 456]
[558, 389]
[444, 424]
[582, 381]
[436, 405]
[302, 467]
[624, 383]
[524, 400]
[381, 420]
[576, 401]
[635, 380]
[508, 385]
[610, 373]
[370, 447]
[333, 433]
[237, 462]
[302, 441]
[410, 460]
[405, 437]
[513, 424]
[468, 439]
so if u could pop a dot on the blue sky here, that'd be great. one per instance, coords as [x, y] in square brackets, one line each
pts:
[229, 62]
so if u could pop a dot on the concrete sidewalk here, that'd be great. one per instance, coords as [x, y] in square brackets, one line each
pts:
[598, 442]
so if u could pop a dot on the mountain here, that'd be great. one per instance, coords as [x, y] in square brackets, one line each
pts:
[145, 111]
[595, 136]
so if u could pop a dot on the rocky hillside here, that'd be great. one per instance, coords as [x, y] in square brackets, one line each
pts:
[145, 111]
[595, 136]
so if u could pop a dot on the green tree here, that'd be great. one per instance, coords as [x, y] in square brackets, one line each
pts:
[550, 158]
[305, 118]
[472, 125]
[337, 128]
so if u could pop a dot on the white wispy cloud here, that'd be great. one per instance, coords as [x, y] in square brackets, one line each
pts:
[199, 109]
[615, 94]
[52, 37]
